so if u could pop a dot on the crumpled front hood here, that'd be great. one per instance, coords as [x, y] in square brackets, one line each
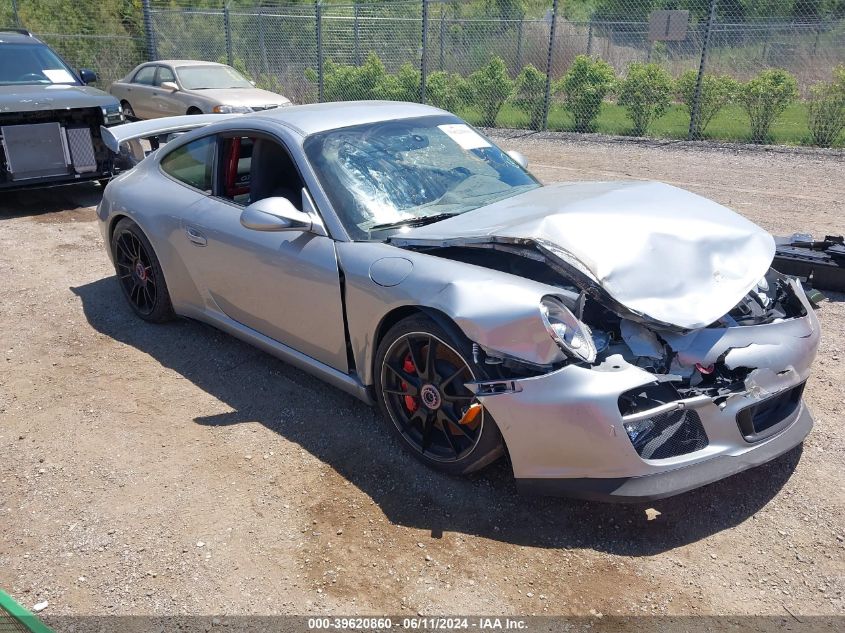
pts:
[661, 252]
[34, 98]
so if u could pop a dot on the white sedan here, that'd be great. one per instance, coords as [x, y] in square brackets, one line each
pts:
[172, 87]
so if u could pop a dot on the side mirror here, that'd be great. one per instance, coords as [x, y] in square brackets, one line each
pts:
[519, 158]
[275, 214]
[169, 85]
[88, 76]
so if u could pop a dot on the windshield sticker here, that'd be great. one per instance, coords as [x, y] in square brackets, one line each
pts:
[464, 135]
[58, 75]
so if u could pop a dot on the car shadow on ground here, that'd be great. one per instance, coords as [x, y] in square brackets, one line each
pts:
[42, 202]
[350, 437]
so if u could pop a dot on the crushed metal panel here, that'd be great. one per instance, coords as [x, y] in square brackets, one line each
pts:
[81, 149]
[37, 150]
[671, 255]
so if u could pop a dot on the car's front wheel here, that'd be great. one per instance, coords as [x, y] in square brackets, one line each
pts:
[139, 273]
[128, 112]
[420, 373]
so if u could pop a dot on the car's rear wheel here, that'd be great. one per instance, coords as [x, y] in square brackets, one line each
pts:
[128, 112]
[139, 273]
[420, 373]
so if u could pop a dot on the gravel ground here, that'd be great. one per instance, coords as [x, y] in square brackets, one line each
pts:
[173, 470]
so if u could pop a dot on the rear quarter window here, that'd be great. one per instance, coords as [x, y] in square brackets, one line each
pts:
[192, 164]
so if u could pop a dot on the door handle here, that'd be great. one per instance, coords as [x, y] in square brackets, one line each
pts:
[195, 236]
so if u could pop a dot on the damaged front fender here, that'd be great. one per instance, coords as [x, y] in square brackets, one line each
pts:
[497, 311]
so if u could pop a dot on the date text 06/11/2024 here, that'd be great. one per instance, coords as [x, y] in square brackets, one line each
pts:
[417, 623]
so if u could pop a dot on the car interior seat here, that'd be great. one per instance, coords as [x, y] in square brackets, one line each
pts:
[273, 174]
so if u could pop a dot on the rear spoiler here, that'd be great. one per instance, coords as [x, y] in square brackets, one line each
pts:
[117, 135]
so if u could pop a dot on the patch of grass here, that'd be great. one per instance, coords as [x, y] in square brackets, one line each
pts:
[730, 124]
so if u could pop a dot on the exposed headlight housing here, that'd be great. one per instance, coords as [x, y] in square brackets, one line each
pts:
[229, 109]
[572, 336]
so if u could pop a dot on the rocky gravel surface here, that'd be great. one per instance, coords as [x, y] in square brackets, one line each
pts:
[174, 470]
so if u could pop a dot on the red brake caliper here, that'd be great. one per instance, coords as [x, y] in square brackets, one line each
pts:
[408, 367]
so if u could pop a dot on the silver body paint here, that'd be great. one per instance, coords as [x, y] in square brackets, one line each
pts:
[671, 261]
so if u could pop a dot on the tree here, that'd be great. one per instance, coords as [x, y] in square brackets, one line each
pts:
[646, 94]
[530, 95]
[764, 98]
[584, 86]
[716, 92]
[445, 91]
[826, 109]
[490, 88]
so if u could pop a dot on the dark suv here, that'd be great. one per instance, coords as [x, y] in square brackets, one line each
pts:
[49, 117]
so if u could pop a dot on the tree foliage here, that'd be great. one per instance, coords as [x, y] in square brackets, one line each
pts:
[530, 95]
[826, 109]
[446, 91]
[646, 93]
[717, 91]
[490, 87]
[584, 86]
[764, 99]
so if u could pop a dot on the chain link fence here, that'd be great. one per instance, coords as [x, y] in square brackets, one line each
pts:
[759, 70]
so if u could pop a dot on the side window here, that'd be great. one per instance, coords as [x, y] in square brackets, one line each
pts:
[145, 76]
[192, 163]
[256, 168]
[164, 74]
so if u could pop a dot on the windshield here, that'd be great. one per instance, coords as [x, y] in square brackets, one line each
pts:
[210, 77]
[383, 176]
[32, 64]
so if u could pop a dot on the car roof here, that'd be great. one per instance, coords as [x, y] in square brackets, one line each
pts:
[320, 117]
[184, 62]
[18, 36]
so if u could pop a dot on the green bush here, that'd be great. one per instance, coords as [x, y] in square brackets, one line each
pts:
[342, 82]
[717, 91]
[530, 95]
[445, 91]
[646, 94]
[826, 109]
[490, 88]
[764, 98]
[403, 86]
[584, 86]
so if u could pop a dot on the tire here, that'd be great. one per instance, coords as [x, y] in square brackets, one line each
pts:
[425, 410]
[193, 110]
[128, 112]
[139, 273]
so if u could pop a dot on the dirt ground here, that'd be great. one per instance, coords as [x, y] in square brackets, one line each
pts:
[173, 470]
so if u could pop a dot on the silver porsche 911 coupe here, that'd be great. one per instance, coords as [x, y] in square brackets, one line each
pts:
[618, 340]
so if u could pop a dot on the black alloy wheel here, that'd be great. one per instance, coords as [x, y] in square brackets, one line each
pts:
[139, 273]
[422, 377]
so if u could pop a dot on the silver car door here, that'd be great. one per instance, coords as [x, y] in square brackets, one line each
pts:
[166, 102]
[141, 92]
[284, 285]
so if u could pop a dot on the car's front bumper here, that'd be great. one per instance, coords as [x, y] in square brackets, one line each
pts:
[565, 435]
[677, 480]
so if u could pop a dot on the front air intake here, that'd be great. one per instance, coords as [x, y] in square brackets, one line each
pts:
[667, 434]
